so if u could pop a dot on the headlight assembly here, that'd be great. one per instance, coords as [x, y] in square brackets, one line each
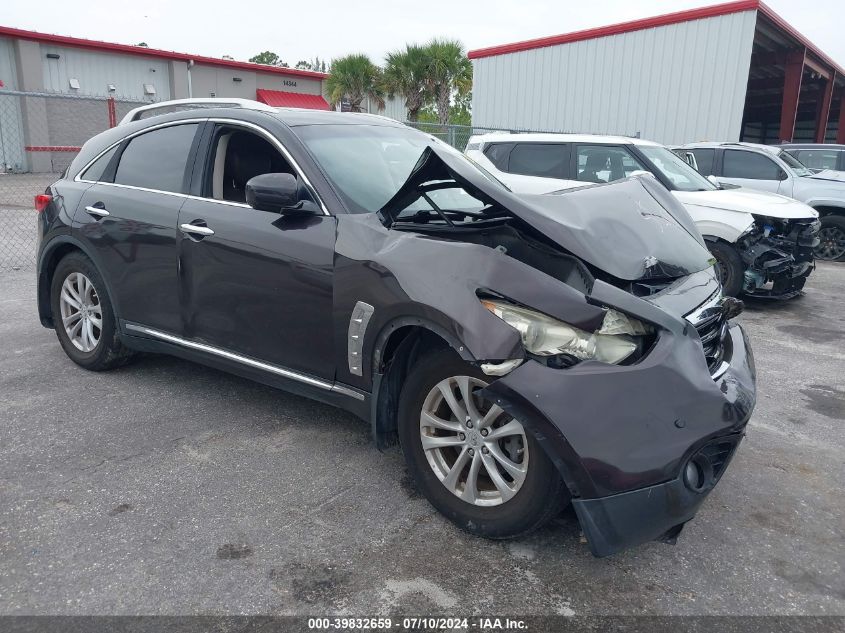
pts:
[617, 339]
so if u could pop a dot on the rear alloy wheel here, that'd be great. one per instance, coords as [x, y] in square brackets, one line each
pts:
[81, 312]
[83, 315]
[831, 239]
[474, 462]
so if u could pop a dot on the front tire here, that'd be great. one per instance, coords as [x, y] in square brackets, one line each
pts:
[83, 315]
[729, 267]
[475, 464]
[831, 239]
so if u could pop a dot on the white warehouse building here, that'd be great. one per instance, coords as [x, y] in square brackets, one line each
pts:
[728, 72]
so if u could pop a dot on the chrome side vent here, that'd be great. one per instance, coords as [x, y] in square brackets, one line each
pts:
[358, 323]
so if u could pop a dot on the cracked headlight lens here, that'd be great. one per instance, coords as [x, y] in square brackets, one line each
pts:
[613, 342]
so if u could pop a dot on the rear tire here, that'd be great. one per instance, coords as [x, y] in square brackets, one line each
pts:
[729, 267]
[831, 239]
[496, 505]
[83, 315]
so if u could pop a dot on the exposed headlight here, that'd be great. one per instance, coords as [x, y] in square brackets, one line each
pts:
[542, 335]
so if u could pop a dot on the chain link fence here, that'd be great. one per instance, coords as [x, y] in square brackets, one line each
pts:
[40, 134]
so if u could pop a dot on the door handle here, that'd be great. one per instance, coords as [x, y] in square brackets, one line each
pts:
[194, 229]
[98, 211]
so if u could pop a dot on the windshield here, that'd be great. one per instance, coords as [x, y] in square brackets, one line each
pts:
[676, 170]
[367, 164]
[795, 166]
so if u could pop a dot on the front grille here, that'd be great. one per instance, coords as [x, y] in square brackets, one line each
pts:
[712, 326]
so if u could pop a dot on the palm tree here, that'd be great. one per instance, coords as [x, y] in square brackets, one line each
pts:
[405, 73]
[355, 78]
[449, 71]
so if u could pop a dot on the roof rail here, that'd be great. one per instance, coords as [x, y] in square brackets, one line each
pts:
[135, 113]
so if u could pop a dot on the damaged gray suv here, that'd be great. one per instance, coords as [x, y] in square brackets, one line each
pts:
[526, 352]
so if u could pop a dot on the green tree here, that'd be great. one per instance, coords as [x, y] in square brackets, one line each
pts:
[144, 44]
[449, 72]
[406, 73]
[304, 65]
[355, 77]
[268, 58]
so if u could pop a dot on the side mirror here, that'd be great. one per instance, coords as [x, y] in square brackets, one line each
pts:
[714, 182]
[278, 193]
[782, 175]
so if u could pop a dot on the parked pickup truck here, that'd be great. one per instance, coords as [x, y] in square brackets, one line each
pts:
[774, 168]
[762, 242]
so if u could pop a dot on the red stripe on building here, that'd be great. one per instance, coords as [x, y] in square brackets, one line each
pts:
[79, 42]
[617, 29]
[52, 148]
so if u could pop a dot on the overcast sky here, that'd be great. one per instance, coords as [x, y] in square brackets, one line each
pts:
[331, 28]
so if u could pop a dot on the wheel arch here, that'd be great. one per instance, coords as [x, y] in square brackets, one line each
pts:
[827, 209]
[399, 344]
[51, 254]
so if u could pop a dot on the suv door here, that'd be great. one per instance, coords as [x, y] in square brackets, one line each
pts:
[128, 217]
[754, 170]
[255, 283]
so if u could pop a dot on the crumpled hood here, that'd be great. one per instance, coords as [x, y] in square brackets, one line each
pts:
[632, 229]
[748, 201]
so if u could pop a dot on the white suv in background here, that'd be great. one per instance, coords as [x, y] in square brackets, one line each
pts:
[763, 242]
[773, 168]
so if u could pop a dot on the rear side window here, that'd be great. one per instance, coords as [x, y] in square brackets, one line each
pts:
[157, 159]
[704, 160]
[497, 153]
[816, 158]
[538, 159]
[750, 165]
[97, 171]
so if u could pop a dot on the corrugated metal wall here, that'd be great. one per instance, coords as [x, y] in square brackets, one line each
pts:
[672, 84]
[96, 70]
[11, 124]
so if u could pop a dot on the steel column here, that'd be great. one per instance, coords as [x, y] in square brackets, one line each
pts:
[791, 92]
[823, 110]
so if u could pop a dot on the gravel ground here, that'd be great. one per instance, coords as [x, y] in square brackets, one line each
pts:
[169, 488]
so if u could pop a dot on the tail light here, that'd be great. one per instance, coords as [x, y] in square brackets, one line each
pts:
[42, 200]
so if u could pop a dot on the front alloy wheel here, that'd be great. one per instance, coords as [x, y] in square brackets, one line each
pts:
[478, 465]
[831, 239]
[478, 452]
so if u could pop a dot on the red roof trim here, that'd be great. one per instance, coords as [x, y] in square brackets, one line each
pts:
[282, 99]
[790, 30]
[65, 40]
[616, 29]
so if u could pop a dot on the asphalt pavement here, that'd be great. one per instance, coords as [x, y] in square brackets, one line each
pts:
[169, 488]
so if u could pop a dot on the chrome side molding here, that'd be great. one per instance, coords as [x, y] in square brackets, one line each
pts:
[245, 360]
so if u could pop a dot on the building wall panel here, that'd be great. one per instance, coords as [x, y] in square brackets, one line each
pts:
[673, 84]
[96, 70]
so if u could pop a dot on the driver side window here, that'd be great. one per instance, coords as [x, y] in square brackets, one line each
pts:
[238, 155]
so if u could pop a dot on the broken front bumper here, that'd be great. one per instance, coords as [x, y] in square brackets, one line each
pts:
[624, 436]
[782, 256]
